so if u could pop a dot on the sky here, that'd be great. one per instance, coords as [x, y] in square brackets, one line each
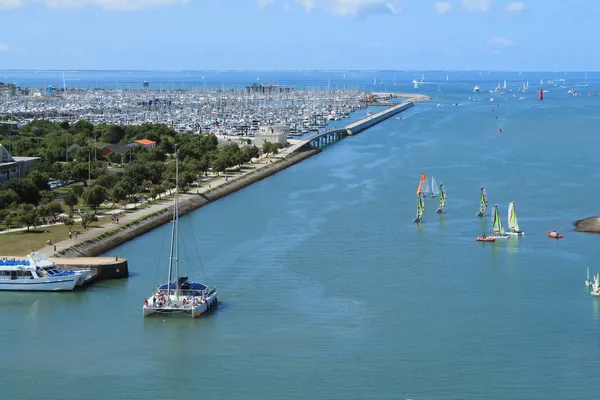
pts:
[529, 35]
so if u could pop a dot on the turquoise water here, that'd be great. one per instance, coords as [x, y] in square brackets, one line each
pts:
[329, 290]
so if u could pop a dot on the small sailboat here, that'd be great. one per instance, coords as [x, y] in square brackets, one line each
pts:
[513, 223]
[420, 209]
[434, 187]
[442, 207]
[588, 281]
[596, 287]
[424, 185]
[483, 203]
[497, 228]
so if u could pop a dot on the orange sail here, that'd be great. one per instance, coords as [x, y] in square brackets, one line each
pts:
[420, 187]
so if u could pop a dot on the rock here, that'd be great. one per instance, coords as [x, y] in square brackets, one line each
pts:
[591, 225]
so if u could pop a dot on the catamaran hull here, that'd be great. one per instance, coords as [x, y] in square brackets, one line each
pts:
[433, 195]
[417, 220]
[41, 284]
[480, 214]
[519, 233]
[440, 210]
[193, 311]
[595, 294]
[499, 237]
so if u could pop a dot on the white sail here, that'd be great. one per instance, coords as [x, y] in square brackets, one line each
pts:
[434, 187]
[512, 217]
[504, 87]
[425, 187]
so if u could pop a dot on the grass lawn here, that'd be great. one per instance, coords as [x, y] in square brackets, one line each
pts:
[21, 243]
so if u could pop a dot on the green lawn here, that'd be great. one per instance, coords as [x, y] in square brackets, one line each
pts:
[22, 242]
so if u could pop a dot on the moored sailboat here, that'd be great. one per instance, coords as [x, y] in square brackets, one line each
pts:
[497, 228]
[513, 223]
[442, 207]
[483, 203]
[179, 295]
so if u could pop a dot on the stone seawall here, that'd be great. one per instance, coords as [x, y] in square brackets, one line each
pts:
[374, 119]
[133, 229]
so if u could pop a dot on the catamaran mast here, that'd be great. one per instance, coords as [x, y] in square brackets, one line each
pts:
[173, 229]
[177, 220]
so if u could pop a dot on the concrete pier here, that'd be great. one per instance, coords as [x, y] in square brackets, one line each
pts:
[102, 267]
[374, 119]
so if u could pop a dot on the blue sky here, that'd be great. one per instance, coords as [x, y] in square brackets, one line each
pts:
[525, 35]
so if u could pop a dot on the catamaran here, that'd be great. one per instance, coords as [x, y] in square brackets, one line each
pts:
[179, 295]
[513, 224]
[588, 281]
[497, 228]
[424, 185]
[442, 207]
[483, 203]
[420, 209]
[596, 286]
[434, 187]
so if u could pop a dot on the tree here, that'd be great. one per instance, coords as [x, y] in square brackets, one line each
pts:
[53, 209]
[267, 147]
[39, 179]
[27, 191]
[69, 223]
[118, 193]
[114, 134]
[220, 163]
[27, 216]
[71, 200]
[88, 219]
[8, 198]
[250, 152]
[155, 191]
[94, 196]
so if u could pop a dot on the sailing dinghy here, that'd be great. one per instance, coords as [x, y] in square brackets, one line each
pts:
[420, 209]
[434, 188]
[497, 228]
[588, 281]
[442, 192]
[483, 203]
[513, 224]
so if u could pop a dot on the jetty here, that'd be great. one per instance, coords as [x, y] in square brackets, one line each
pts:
[320, 139]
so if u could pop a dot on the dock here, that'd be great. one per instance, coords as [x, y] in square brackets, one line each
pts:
[102, 268]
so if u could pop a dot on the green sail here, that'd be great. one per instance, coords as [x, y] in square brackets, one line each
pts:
[420, 207]
[483, 204]
[497, 228]
[442, 198]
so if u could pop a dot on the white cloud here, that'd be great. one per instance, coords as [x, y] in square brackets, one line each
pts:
[442, 7]
[515, 6]
[3, 47]
[477, 5]
[286, 7]
[112, 5]
[500, 42]
[10, 4]
[351, 8]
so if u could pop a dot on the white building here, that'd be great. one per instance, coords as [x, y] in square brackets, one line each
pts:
[273, 134]
[14, 167]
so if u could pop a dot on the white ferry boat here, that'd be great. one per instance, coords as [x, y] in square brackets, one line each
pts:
[36, 273]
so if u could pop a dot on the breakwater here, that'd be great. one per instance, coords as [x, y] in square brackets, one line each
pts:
[102, 267]
[111, 239]
[374, 119]
[588, 225]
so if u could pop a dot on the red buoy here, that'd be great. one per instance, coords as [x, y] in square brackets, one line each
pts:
[541, 95]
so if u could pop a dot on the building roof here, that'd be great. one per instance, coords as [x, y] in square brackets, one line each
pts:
[145, 142]
[120, 149]
[5, 156]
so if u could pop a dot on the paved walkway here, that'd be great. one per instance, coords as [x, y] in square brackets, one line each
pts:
[149, 208]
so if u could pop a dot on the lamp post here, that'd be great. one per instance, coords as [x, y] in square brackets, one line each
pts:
[89, 166]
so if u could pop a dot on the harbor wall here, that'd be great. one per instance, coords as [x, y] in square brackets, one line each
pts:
[102, 267]
[374, 119]
[114, 238]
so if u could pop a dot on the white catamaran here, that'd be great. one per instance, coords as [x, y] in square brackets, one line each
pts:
[483, 203]
[497, 228]
[434, 188]
[442, 207]
[420, 209]
[179, 295]
[513, 223]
